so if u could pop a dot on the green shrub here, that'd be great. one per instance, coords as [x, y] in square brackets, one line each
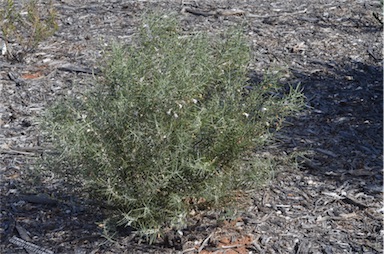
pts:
[27, 24]
[170, 127]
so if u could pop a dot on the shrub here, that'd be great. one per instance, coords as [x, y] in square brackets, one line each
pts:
[27, 24]
[169, 126]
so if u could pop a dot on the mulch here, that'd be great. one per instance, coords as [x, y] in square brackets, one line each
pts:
[332, 204]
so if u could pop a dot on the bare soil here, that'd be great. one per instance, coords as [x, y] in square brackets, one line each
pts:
[333, 204]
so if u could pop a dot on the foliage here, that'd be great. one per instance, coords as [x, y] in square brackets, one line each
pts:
[172, 124]
[28, 24]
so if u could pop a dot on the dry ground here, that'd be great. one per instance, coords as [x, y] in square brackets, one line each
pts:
[332, 205]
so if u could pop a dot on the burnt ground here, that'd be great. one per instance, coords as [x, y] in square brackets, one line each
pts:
[332, 204]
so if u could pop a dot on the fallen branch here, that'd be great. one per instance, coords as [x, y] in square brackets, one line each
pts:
[70, 68]
[15, 152]
[235, 12]
[30, 247]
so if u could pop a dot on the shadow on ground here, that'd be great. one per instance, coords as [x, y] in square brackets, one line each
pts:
[343, 124]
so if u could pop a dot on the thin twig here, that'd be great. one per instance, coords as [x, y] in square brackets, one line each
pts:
[250, 15]
[10, 151]
[204, 243]
[189, 250]
[237, 13]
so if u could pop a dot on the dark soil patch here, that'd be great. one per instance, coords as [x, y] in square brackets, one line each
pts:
[332, 205]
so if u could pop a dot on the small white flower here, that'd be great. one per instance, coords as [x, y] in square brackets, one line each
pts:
[263, 109]
[194, 101]
[245, 114]
[169, 111]
[175, 115]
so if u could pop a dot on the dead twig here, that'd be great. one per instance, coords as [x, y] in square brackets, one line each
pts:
[32, 248]
[204, 243]
[70, 68]
[353, 201]
[15, 152]
[236, 12]
[31, 151]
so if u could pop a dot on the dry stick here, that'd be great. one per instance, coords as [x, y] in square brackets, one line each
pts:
[189, 250]
[15, 152]
[26, 150]
[198, 12]
[236, 12]
[36, 149]
[204, 243]
[277, 15]
[378, 18]
[29, 246]
[355, 202]
[71, 68]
